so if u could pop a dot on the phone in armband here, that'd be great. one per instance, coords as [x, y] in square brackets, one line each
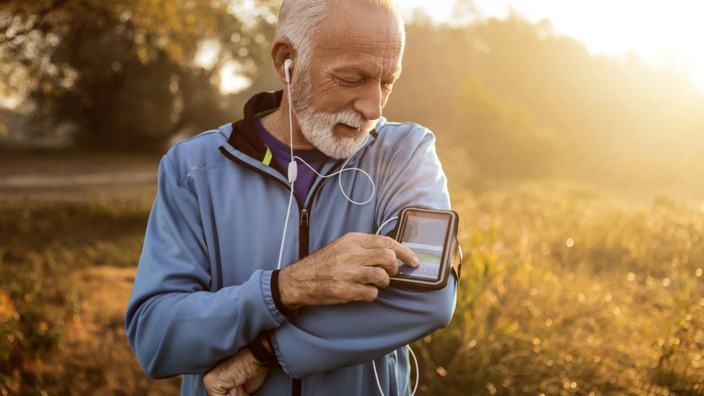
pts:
[432, 235]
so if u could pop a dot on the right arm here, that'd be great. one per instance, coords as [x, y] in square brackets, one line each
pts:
[174, 323]
[351, 268]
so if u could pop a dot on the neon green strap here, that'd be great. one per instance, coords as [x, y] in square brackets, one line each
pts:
[267, 157]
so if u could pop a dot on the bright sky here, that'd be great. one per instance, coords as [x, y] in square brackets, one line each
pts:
[648, 27]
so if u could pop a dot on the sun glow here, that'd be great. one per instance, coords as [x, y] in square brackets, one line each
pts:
[664, 33]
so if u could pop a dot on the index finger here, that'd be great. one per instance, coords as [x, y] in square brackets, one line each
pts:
[403, 252]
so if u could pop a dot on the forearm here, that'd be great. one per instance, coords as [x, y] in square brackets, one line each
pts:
[351, 268]
[322, 338]
[189, 332]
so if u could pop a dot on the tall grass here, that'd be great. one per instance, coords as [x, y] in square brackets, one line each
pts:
[564, 291]
[61, 308]
[567, 292]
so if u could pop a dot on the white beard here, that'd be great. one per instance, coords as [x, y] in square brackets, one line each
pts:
[317, 127]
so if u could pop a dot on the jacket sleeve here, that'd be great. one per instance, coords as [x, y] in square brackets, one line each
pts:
[357, 333]
[174, 324]
[321, 338]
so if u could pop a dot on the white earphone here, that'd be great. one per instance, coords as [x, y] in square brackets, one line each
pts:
[287, 69]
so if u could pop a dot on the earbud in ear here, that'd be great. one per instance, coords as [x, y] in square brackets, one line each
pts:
[287, 69]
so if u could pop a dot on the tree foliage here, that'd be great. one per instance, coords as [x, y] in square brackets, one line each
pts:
[127, 72]
[509, 98]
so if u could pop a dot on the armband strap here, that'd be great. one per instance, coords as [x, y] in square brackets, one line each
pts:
[266, 358]
[457, 259]
[276, 294]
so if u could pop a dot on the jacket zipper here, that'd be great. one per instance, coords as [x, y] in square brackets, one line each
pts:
[303, 251]
[304, 230]
[303, 234]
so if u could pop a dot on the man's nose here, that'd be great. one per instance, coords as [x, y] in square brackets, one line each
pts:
[370, 103]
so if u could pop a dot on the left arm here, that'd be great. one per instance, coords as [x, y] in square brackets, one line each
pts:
[355, 333]
[321, 338]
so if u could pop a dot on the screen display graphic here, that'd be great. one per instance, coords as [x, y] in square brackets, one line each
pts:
[425, 235]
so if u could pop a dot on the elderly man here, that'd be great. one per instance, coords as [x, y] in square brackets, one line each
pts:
[245, 287]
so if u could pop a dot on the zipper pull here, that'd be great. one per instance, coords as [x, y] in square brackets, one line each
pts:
[303, 234]
[304, 217]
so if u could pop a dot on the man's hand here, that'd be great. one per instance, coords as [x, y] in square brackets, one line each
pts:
[238, 375]
[351, 268]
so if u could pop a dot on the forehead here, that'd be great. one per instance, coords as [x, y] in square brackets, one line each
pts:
[360, 32]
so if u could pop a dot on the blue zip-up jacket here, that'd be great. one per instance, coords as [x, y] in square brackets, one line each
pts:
[202, 289]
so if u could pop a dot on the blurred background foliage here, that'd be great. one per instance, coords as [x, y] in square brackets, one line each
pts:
[565, 289]
[507, 98]
[512, 99]
[125, 74]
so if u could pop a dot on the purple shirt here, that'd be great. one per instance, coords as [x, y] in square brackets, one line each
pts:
[282, 155]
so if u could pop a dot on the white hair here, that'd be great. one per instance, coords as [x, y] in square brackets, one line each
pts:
[300, 20]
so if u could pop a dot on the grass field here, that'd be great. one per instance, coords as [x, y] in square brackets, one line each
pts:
[565, 290]
[65, 276]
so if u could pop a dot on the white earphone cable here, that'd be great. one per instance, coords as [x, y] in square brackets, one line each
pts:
[413, 355]
[339, 180]
[415, 361]
[283, 237]
[293, 170]
[293, 173]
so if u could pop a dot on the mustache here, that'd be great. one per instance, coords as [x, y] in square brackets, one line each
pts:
[353, 119]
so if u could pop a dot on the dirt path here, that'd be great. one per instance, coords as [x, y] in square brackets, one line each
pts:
[77, 176]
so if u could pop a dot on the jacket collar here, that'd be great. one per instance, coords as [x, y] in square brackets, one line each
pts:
[244, 132]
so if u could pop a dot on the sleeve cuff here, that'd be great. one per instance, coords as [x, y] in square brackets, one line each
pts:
[276, 294]
[266, 358]
[269, 298]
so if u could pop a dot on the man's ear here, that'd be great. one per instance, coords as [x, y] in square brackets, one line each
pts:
[280, 51]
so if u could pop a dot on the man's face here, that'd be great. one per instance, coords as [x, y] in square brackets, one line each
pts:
[339, 98]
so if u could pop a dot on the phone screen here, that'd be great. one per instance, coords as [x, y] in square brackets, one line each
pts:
[425, 234]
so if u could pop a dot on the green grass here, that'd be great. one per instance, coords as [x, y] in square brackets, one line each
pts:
[53, 338]
[567, 292]
[564, 291]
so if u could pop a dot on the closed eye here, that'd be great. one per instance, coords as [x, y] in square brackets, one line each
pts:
[349, 81]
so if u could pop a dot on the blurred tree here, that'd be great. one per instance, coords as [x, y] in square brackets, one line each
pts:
[132, 72]
[129, 73]
[623, 120]
[483, 134]
[504, 138]
[544, 106]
